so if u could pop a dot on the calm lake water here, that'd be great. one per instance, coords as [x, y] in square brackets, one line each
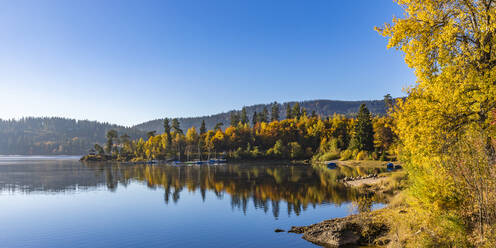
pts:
[61, 202]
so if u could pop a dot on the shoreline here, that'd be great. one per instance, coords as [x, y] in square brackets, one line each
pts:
[365, 228]
[108, 158]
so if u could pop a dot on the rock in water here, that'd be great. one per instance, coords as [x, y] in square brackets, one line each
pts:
[278, 230]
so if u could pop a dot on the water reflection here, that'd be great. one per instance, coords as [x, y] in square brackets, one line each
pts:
[265, 185]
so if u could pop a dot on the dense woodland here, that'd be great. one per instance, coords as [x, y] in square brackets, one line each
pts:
[263, 136]
[320, 107]
[53, 136]
[42, 136]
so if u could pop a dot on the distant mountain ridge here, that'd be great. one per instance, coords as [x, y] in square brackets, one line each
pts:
[63, 136]
[322, 108]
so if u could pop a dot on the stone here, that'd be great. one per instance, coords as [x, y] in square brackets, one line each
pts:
[353, 230]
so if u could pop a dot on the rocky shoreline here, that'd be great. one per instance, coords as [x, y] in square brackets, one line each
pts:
[354, 230]
[364, 229]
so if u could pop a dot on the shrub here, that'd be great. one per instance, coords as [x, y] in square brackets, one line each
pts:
[237, 154]
[279, 150]
[295, 150]
[362, 155]
[374, 156]
[346, 155]
[354, 154]
[331, 155]
[383, 156]
[255, 153]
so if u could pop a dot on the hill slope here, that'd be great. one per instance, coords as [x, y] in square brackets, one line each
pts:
[323, 108]
[52, 136]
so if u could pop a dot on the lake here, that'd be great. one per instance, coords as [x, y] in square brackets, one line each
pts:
[57, 201]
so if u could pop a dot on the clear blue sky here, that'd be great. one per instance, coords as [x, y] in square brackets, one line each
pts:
[127, 62]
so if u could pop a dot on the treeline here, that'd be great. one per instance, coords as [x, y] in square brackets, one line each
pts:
[319, 107]
[54, 136]
[51, 136]
[300, 136]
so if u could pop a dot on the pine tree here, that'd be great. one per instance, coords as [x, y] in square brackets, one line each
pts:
[167, 128]
[263, 117]
[218, 126]
[234, 118]
[274, 114]
[254, 118]
[288, 112]
[296, 112]
[244, 116]
[303, 112]
[111, 135]
[388, 102]
[167, 131]
[364, 131]
[203, 129]
[176, 126]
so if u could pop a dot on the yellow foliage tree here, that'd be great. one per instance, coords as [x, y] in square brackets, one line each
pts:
[449, 44]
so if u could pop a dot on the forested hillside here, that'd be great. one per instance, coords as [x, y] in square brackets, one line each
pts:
[321, 107]
[43, 136]
[52, 135]
[298, 137]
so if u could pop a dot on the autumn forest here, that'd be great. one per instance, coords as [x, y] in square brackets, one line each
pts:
[300, 136]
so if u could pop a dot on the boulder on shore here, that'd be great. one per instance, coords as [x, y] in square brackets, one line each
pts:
[359, 229]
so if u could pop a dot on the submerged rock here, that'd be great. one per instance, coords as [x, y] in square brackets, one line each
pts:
[279, 230]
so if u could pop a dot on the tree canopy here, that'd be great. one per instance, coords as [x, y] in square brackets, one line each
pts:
[449, 44]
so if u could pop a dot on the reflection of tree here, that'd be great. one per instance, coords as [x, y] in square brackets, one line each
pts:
[275, 208]
[363, 203]
[264, 185]
[111, 183]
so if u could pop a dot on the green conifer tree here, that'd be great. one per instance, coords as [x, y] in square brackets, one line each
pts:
[244, 116]
[176, 126]
[274, 113]
[289, 114]
[234, 118]
[167, 131]
[254, 118]
[218, 126]
[364, 131]
[111, 135]
[264, 116]
[388, 102]
[296, 112]
[203, 128]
